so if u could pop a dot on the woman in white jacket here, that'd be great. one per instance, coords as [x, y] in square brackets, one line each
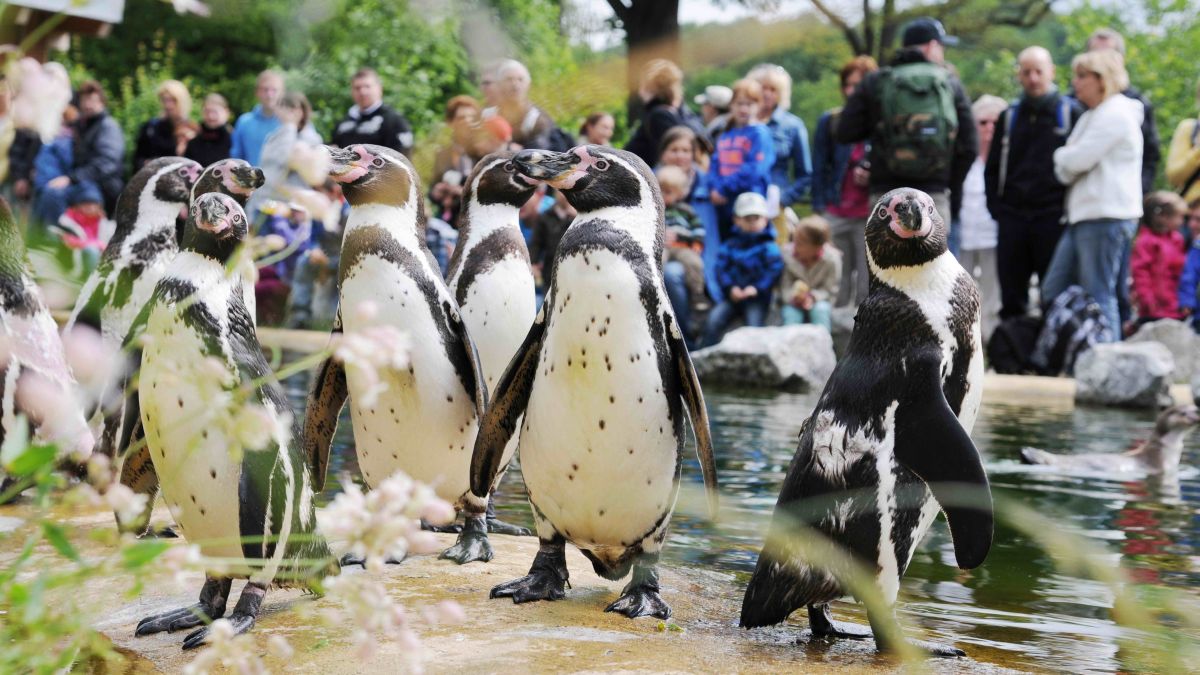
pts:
[1101, 164]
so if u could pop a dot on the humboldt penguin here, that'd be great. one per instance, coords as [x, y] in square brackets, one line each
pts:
[424, 422]
[251, 508]
[37, 388]
[604, 382]
[888, 442]
[1158, 455]
[490, 276]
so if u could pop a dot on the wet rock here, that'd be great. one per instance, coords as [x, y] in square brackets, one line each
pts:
[1124, 374]
[793, 358]
[1179, 338]
[842, 319]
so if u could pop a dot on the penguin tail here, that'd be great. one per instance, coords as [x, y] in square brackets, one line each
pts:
[780, 587]
[1035, 456]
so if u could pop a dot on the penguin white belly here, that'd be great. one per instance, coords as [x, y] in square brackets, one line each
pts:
[498, 312]
[188, 441]
[597, 449]
[969, 410]
[116, 321]
[424, 423]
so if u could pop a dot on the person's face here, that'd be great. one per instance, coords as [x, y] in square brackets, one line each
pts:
[1036, 75]
[170, 107]
[770, 95]
[366, 92]
[751, 224]
[514, 84]
[1173, 222]
[936, 52]
[288, 115]
[671, 194]
[1101, 42]
[489, 88]
[91, 105]
[679, 154]
[1193, 221]
[215, 114]
[851, 84]
[804, 250]
[601, 131]
[985, 126]
[1088, 88]
[268, 91]
[744, 110]
[709, 112]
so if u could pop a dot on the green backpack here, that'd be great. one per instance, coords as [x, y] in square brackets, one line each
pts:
[918, 123]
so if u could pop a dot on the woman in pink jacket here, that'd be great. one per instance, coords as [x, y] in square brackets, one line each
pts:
[1158, 258]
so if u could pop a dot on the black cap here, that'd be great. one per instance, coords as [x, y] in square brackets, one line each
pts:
[926, 29]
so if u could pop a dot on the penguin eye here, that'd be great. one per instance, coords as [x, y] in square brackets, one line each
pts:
[509, 167]
[238, 219]
[883, 213]
[601, 165]
[216, 173]
[377, 162]
[183, 172]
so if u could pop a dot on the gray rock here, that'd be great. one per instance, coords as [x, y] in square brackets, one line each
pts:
[1124, 374]
[1178, 337]
[793, 358]
[1196, 387]
[842, 319]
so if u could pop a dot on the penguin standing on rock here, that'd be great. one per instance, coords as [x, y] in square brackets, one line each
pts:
[424, 423]
[35, 380]
[889, 439]
[491, 279]
[604, 382]
[249, 507]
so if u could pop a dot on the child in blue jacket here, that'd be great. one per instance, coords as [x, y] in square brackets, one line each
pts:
[744, 157]
[748, 266]
[1189, 285]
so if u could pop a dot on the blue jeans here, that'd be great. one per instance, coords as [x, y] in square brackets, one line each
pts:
[819, 315]
[954, 239]
[1092, 253]
[753, 310]
[673, 278]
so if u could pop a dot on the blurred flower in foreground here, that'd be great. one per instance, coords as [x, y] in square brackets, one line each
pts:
[226, 651]
[191, 7]
[370, 353]
[366, 606]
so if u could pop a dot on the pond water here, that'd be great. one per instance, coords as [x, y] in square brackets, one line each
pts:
[1019, 608]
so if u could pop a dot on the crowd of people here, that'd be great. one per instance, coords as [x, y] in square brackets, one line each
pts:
[1056, 185]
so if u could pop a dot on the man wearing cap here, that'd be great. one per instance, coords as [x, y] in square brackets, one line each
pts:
[714, 108]
[924, 42]
[748, 267]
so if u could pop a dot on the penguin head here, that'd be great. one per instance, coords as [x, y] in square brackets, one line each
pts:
[216, 226]
[905, 229]
[1177, 418]
[373, 174]
[496, 180]
[234, 177]
[593, 177]
[173, 178]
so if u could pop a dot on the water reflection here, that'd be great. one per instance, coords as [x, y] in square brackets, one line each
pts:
[1019, 602]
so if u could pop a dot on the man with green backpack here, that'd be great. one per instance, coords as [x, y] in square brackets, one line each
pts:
[918, 118]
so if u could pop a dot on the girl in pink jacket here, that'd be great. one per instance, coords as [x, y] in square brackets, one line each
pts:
[1158, 258]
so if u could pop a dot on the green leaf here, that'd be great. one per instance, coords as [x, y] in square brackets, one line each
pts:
[57, 537]
[16, 443]
[31, 460]
[140, 553]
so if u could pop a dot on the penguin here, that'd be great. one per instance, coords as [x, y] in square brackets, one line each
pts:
[425, 422]
[1159, 455]
[252, 509]
[37, 388]
[490, 276]
[889, 439]
[604, 381]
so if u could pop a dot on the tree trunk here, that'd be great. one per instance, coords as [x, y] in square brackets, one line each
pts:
[651, 32]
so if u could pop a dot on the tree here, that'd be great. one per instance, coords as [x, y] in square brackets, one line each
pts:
[651, 31]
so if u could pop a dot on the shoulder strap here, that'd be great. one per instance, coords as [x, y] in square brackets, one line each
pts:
[1005, 142]
[1064, 116]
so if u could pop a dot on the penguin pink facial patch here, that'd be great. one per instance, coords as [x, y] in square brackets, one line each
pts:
[355, 170]
[901, 231]
[567, 179]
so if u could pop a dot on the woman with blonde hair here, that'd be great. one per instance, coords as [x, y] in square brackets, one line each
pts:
[1101, 166]
[792, 173]
[1183, 158]
[661, 91]
[169, 133]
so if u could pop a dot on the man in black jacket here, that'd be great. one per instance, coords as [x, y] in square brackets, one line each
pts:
[99, 150]
[1023, 194]
[369, 120]
[923, 40]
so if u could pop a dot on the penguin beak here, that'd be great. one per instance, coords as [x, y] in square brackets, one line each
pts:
[909, 218]
[345, 165]
[559, 169]
[249, 177]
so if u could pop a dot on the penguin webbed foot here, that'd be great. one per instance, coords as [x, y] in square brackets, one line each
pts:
[242, 618]
[452, 528]
[821, 622]
[351, 560]
[213, 597]
[497, 526]
[547, 578]
[641, 597]
[472, 543]
[933, 649]
[165, 532]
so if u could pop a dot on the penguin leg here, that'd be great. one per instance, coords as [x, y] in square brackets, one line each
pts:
[452, 528]
[641, 597]
[242, 618]
[350, 560]
[213, 598]
[497, 526]
[820, 620]
[138, 474]
[883, 644]
[472, 542]
[547, 578]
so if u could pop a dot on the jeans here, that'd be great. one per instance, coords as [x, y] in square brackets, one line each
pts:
[1091, 253]
[753, 310]
[673, 277]
[849, 236]
[954, 237]
[820, 315]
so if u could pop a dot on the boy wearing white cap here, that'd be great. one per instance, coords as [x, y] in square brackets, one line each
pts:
[748, 266]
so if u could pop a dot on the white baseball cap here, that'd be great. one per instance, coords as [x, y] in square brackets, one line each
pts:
[750, 204]
[715, 95]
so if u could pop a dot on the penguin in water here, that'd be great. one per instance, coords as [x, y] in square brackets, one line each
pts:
[250, 508]
[37, 387]
[491, 279]
[889, 438]
[1159, 455]
[604, 382]
[424, 423]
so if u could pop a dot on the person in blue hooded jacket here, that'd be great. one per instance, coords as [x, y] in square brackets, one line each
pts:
[744, 156]
[748, 267]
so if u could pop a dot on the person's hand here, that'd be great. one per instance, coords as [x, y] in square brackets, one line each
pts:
[749, 292]
[717, 198]
[735, 294]
[59, 183]
[860, 176]
[807, 302]
[21, 189]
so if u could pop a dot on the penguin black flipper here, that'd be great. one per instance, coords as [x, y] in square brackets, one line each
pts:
[693, 398]
[454, 317]
[499, 423]
[325, 401]
[931, 443]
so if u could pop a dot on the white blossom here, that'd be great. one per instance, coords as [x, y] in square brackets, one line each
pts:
[182, 559]
[191, 7]
[370, 354]
[127, 504]
[226, 651]
[278, 646]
